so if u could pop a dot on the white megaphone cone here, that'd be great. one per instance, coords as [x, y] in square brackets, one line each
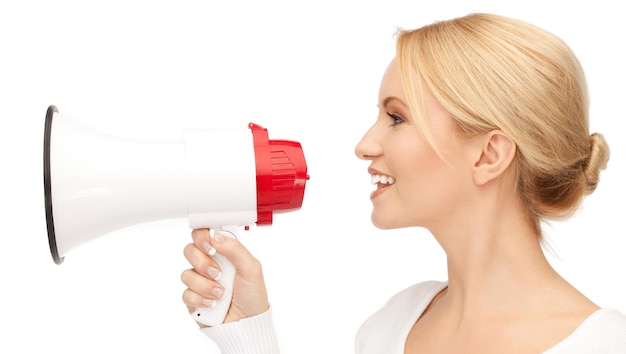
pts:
[224, 179]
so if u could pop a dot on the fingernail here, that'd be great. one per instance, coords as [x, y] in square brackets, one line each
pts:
[210, 250]
[218, 292]
[214, 273]
[217, 236]
[208, 303]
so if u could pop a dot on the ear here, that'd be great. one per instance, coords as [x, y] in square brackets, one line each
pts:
[497, 151]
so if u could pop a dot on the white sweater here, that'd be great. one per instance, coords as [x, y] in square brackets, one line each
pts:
[386, 330]
[253, 335]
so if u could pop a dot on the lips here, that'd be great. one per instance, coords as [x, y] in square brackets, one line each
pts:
[381, 181]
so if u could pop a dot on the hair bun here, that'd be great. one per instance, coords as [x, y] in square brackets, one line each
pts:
[598, 159]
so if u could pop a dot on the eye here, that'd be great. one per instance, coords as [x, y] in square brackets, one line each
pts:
[396, 119]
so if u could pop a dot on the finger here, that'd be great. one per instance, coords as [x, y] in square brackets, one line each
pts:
[205, 288]
[201, 239]
[194, 300]
[236, 252]
[202, 262]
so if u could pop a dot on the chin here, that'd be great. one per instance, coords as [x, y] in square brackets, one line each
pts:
[383, 223]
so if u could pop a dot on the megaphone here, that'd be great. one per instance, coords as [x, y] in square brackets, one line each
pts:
[224, 179]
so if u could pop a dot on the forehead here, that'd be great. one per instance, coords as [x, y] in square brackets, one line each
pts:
[391, 84]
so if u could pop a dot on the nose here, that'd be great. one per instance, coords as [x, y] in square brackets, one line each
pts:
[369, 146]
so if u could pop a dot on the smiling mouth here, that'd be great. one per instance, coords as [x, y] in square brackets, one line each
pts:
[382, 180]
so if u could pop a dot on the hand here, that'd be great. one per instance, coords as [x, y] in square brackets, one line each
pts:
[249, 293]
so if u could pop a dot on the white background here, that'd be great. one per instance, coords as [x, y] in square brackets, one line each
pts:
[307, 71]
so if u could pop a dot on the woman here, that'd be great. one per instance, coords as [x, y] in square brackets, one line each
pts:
[482, 133]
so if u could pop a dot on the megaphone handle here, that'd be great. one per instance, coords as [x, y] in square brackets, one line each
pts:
[215, 315]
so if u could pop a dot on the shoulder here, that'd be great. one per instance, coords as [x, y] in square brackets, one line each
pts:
[602, 332]
[606, 326]
[391, 323]
[416, 295]
[414, 299]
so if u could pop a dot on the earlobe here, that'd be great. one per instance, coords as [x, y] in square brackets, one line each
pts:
[496, 155]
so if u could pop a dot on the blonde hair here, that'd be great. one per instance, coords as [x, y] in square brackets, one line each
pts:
[492, 72]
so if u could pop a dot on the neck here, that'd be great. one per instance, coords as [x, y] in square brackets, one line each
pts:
[495, 261]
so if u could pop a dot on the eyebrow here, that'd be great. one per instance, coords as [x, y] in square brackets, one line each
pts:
[393, 98]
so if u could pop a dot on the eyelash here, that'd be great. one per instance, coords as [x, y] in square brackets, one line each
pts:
[395, 118]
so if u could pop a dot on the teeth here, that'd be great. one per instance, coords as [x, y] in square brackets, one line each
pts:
[382, 179]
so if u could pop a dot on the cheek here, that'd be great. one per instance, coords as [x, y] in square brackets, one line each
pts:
[415, 164]
[425, 187]
[419, 174]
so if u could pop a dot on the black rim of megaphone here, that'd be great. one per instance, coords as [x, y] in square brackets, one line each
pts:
[52, 240]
